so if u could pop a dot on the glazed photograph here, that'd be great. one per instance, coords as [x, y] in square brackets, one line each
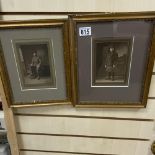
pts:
[36, 68]
[111, 62]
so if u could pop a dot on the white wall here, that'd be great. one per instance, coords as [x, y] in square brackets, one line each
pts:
[77, 5]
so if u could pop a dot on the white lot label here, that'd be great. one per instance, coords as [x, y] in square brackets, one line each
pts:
[84, 31]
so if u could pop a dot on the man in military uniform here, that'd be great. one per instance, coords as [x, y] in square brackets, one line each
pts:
[35, 66]
[111, 62]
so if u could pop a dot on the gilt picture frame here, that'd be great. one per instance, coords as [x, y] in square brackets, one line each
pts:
[35, 70]
[112, 57]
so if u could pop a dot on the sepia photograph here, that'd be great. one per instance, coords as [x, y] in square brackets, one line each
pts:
[112, 66]
[36, 68]
[34, 62]
[111, 62]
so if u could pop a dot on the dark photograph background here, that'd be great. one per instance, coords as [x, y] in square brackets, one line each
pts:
[121, 61]
[25, 53]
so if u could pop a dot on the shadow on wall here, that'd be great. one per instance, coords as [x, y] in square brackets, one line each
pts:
[0, 11]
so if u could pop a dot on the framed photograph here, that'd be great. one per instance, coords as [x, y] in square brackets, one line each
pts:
[112, 59]
[34, 64]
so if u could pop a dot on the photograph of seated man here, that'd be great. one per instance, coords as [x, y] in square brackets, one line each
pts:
[36, 65]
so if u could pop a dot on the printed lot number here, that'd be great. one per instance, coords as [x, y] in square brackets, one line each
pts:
[84, 31]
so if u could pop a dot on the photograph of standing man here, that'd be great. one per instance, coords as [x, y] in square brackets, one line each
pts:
[111, 63]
